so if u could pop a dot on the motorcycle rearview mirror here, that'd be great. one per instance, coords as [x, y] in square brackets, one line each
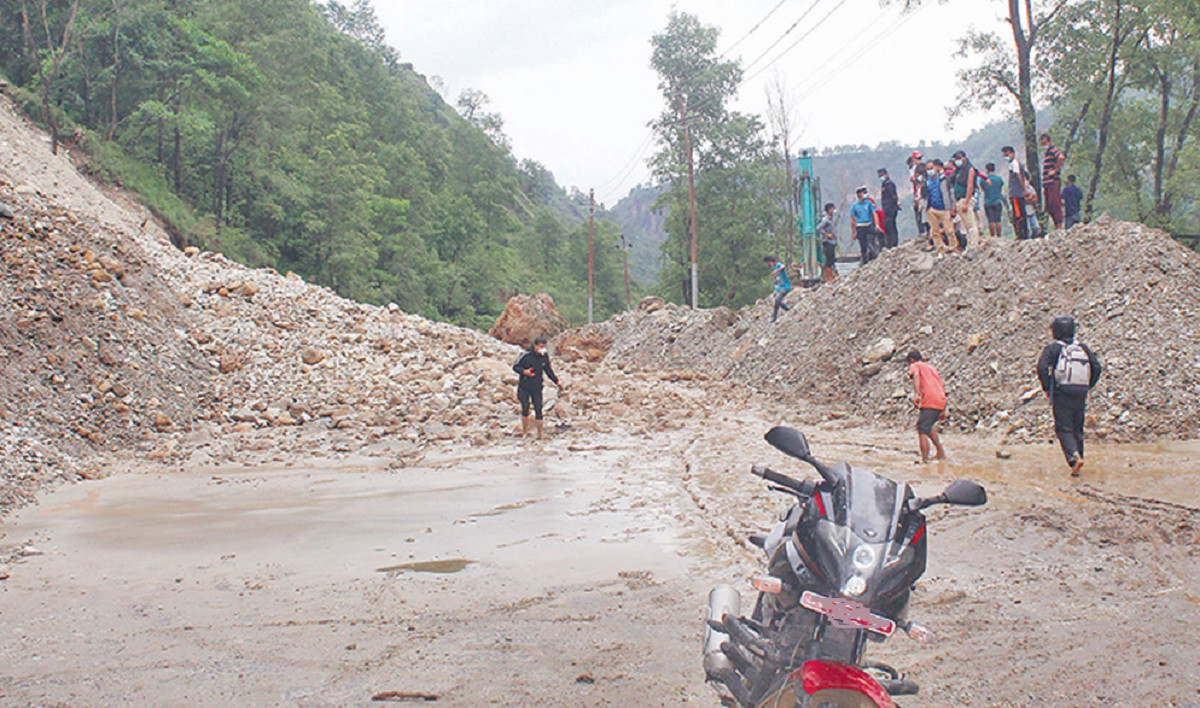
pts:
[792, 442]
[961, 492]
[964, 492]
[789, 441]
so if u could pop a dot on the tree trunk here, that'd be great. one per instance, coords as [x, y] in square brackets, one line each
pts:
[1024, 43]
[56, 59]
[1075, 124]
[1185, 131]
[1160, 139]
[1106, 114]
[116, 66]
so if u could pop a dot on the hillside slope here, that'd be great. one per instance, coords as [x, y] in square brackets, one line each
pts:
[115, 340]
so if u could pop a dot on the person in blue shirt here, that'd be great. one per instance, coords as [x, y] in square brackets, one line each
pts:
[783, 285]
[1072, 197]
[993, 199]
[862, 220]
[941, 208]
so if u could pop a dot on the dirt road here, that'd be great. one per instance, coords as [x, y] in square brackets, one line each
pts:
[575, 573]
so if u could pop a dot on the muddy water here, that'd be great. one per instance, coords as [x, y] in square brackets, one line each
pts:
[331, 585]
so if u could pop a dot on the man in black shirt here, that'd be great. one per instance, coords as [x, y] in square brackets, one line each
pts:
[530, 368]
[1068, 370]
[889, 201]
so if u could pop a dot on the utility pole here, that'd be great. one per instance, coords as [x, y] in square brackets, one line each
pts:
[625, 253]
[687, 142]
[591, 252]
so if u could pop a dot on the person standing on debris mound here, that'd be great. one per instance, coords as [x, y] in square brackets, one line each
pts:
[530, 368]
[940, 197]
[929, 398]
[965, 177]
[828, 243]
[862, 220]
[1068, 370]
[889, 201]
[783, 285]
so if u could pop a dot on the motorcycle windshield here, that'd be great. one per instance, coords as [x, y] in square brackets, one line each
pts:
[873, 505]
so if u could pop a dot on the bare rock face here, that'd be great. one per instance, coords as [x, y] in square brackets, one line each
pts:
[527, 317]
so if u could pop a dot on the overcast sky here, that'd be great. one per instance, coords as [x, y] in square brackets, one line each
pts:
[573, 82]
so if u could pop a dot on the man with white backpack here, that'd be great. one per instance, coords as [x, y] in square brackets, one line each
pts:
[1068, 370]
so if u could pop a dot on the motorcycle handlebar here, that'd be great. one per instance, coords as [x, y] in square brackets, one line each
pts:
[780, 479]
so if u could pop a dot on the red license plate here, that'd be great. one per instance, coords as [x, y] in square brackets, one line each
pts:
[848, 613]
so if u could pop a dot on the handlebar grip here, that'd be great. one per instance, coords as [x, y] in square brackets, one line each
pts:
[772, 476]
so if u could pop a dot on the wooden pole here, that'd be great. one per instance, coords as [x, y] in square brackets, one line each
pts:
[591, 253]
[687, 142]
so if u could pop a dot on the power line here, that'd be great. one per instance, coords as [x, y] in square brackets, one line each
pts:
[624, 172]
[753, 29]
[786, 33]
[866, 48]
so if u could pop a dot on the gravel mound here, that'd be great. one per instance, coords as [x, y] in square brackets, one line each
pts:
[981, 321]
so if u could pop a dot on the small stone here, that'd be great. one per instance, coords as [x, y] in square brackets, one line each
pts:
[230, 363]
[312, 356]
[1003, 454]
[101, 276]
[191, 251]
[162, 422]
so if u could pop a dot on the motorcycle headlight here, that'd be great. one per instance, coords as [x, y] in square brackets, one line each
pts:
[864, 557]
[855, 586]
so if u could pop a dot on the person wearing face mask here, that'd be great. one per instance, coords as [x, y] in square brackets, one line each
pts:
[941, 203]
[965, 177]
[828, 243]
[862, 220]
[531, 367]
[889, 201]
[916, 177]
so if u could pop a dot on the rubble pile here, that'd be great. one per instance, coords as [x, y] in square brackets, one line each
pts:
[90, 356]
[981, 320]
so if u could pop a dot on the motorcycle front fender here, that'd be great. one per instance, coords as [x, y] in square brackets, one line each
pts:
[829, 682]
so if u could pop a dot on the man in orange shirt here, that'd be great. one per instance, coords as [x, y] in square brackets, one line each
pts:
[929, 398]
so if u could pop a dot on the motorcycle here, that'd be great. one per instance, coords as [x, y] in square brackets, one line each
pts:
[841, 563]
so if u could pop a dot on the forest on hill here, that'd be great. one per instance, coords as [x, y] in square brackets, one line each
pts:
[287, 133]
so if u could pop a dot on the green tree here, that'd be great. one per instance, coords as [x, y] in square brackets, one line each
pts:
[733, 214]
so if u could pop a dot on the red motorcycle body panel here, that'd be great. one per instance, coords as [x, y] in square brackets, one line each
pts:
[833, 676]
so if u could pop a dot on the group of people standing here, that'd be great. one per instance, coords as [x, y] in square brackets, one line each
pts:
[953, 200]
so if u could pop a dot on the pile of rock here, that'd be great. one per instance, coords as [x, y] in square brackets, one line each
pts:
[982, 321]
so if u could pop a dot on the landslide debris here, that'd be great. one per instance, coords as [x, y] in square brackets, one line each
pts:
[981, 320]
[115, 346]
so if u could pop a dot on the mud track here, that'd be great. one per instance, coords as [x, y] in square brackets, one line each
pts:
[575, 573]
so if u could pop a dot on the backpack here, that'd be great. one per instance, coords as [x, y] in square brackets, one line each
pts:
[1073, 372]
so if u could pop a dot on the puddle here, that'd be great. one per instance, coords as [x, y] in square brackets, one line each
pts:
[451, 565]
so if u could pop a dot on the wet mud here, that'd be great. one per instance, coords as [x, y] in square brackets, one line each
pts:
[575, 572]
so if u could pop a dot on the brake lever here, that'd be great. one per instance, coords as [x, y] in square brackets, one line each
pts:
[786, 490]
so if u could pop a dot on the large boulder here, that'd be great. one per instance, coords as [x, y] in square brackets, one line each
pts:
[586, 343]
[526, 317]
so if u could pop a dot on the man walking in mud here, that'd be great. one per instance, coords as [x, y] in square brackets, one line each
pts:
[1068, 370]
[531, 367]
[929, 398]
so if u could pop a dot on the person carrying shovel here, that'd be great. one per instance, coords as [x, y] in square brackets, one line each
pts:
[531, 367]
